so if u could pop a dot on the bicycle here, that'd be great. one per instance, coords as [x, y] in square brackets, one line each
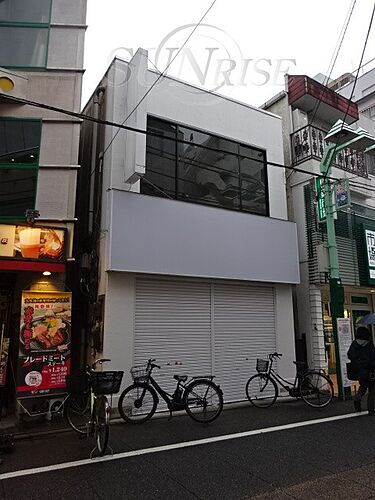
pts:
[200, 397]
[312, 386]
[87, 409]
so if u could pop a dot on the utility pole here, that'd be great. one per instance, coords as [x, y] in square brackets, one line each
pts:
[342, 136]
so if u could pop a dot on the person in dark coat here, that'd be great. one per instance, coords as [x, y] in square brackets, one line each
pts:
[362, 355]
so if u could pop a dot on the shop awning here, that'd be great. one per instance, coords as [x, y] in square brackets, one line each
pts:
[23, 265]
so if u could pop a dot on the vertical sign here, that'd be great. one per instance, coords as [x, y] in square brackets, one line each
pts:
[370, 251]
[319, 184]
[44, 347]
[344, 334]
[342, 194]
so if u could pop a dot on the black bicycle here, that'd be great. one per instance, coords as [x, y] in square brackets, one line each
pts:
[200, 397]
[87, 409]
[312, 386]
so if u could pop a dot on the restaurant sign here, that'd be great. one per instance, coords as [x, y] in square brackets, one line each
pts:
[26, 242]
[44, 344]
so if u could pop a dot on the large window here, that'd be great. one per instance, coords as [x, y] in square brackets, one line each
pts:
[19, 161]
[194, 166]
[24, 32]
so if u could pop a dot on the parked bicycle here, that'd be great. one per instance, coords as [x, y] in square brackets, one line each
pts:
[200, 397]
[87, 409]
[312, 386]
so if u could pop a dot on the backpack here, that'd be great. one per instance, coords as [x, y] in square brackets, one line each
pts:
[352, 371]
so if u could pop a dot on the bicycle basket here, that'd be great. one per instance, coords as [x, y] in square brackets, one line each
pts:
[262, 365]
[139, 373]
[107, 382]
[77, 382]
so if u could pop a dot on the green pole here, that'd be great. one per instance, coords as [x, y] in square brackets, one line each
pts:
[335, 286]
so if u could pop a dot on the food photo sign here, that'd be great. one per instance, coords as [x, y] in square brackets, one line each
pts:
[24, 242]
[45, 340]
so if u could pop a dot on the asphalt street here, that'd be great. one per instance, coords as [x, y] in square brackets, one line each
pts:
[330, 459]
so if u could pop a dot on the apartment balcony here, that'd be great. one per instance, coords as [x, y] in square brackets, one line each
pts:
[316, 99]
[309, 142]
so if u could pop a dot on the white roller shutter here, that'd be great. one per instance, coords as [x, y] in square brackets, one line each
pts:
[173, 323]
[209, 327]
[244, 327]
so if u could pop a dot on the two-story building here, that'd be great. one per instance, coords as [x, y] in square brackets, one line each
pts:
[41, 60]
[186, 229]
[308, 110]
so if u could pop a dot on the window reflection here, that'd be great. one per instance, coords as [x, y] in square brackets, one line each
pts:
[198, 167]
[26, 11]
[17, 191]
[19, 141]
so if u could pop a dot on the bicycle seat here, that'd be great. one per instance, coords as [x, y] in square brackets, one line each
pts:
[180, 378]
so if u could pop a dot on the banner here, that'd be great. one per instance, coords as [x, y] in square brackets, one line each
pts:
[37, 243]
[45, 339]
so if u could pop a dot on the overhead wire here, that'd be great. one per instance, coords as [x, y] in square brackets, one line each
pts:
[161, 74]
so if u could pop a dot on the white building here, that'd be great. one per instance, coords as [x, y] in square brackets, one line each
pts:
[308, 110]
[196, 257]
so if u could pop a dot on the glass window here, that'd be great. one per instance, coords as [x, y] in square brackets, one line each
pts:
[198, 167]
[19, 141]
[23, 47]
[253, 181]
[30, 11]
[206, 175]
[17, 191]
[160, 160]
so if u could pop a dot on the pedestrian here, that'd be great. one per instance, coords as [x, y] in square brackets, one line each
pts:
[362, 356]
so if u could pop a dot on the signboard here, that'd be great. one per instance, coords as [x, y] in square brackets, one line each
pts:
[319, 185]
[344, 334]
[37, 243]
[342, 194]
[44, 346]
[370, 252]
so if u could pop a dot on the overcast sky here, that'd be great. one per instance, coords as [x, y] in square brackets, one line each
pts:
[244, 47]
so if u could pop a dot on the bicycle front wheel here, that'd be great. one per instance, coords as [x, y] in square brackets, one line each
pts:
[101, 416]
[261, 390]
[316, 389]
[77, 412]
[203, 401]
[137, 403]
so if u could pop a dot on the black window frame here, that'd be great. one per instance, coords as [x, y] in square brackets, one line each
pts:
[239, 157]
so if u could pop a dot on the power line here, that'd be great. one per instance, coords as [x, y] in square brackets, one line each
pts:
[356, 76]
[161, 74]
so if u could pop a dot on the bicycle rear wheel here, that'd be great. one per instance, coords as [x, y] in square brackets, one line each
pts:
[137, 403]
[77, 412]
[261, 390]
[316, 389]
[101, 416]
[203, 401]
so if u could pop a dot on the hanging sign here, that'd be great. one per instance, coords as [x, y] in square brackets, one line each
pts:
[37, 243]
[320, 195]
[344, 334]
[44, 344]
[370, 252]
[342, 194]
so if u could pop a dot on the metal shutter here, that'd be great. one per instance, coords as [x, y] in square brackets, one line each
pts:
[173, 323]
[244, 326]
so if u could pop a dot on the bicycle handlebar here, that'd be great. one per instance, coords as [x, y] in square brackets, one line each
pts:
[275, 355]
[99, 361]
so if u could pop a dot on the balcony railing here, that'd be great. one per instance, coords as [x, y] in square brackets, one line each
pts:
[309, 142]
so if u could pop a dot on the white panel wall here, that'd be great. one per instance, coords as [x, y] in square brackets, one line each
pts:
[69, 11]
[60, 143]
[66, 47]
[56, 193]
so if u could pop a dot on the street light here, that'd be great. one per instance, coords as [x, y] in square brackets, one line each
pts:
[340, 137]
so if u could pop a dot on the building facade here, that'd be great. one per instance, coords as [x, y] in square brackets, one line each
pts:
[308, 110]
[187, 242]
[41, 60]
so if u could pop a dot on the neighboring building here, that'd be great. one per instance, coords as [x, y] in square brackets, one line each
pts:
[308, 110]
[196, 260]
[41, 59]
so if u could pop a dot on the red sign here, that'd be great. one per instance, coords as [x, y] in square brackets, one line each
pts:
[45, 337]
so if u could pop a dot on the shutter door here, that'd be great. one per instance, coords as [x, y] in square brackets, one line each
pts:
[244, 327]
[173, 323]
